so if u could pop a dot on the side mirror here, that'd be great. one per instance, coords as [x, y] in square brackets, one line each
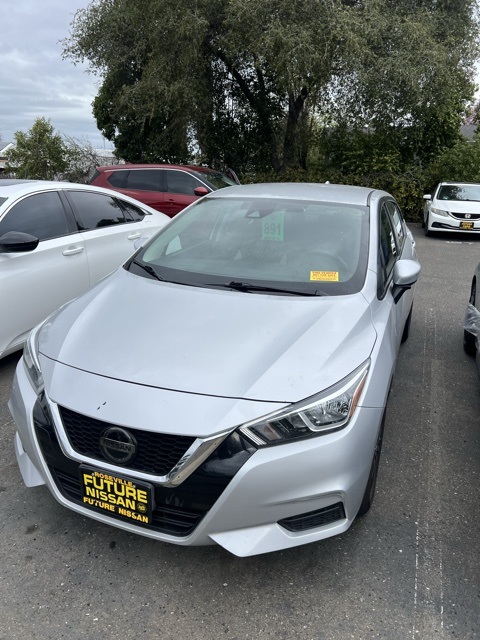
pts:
[405, 275]
[17, 242]
[427, 197]
[201, 191]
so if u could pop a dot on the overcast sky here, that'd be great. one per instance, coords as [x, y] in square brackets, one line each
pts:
[35, 81]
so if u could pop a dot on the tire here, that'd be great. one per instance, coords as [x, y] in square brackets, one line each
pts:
[406, 328]
[469, 345]
[369, 494]
[425, 227]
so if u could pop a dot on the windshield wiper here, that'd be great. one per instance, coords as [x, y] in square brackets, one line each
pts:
[148, 269]
[247, 286]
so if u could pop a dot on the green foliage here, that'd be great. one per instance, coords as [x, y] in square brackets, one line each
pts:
[461, 163]
[249, 83]
[407, 188]
[37, 154]
[42, 154]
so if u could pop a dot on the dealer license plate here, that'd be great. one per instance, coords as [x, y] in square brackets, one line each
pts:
[466, 225]
[116, 496]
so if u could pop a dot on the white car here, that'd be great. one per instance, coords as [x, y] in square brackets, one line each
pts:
[454, 206]
[57, 239]
[229, 383]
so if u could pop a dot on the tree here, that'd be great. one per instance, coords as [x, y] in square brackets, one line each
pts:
[414, 81]
[81, 159]
[247, 82]
[461, 163]
[38, 154]
[42, 154]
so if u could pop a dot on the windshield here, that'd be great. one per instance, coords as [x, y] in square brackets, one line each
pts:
[467, 192]
[214, 179]
[309, 248]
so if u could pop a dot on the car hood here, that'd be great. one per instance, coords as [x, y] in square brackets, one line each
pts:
[458, 206]
[209, 341]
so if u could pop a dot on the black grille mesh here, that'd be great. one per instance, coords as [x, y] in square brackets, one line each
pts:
[157, 453]
[169, 519]
[466, 216]
[314, 519]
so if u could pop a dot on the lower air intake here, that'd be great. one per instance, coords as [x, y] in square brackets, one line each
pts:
[314, 519]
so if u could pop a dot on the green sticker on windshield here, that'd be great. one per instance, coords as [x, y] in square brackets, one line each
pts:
[272, 226]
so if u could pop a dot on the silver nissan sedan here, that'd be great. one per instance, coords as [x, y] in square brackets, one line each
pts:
[229, 383]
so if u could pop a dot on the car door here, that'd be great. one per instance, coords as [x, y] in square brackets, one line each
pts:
[108, 233]
[145, 185]
[180, 191]
[33, 284]
[148, 222]
[393, 247]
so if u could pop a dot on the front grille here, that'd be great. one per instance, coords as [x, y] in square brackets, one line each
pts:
[167, 519]
[177, 510]
[314, 519]
[463, 216]
[157, 453]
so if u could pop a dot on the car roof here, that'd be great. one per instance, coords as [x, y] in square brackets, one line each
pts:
[302, 191]
[460, 184]
[13, 189]
[9, 188]
[128, 166]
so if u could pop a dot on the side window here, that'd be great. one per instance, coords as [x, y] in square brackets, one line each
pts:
[132, 212]
[144, 180]
[387, 253]
[398, 222]
[41, 215]
[181, 182]
[118, 178]
[95, 210]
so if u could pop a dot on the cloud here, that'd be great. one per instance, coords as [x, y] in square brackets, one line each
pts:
[35, 81]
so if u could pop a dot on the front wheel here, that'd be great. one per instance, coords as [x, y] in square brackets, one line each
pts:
[406, 328]
[369, 494]
[425, 227]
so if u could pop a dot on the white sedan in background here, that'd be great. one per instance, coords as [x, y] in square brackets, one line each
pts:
[56, 240]
[454, 206]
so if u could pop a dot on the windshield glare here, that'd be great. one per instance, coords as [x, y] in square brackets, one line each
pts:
[468, 192]
[314, 247]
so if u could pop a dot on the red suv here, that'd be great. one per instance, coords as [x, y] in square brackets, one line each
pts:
[169, 188]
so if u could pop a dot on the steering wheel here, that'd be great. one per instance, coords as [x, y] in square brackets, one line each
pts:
[338, 261]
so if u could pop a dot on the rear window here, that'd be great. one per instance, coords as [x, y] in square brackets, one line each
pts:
[117, 178]
[96, 175]
[141, 179]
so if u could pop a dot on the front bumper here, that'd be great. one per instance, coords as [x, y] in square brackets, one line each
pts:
[253, 510]
[443, 223]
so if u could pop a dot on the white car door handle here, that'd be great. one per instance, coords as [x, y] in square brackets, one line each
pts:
[71, 251]
[134, 236]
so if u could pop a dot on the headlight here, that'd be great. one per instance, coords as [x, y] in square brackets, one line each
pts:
[327, 411]
[440, 212]
[30, 361]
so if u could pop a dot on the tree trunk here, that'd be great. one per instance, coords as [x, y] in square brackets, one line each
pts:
[290, 144]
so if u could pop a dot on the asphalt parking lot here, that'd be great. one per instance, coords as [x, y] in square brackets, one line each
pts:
[408, 570]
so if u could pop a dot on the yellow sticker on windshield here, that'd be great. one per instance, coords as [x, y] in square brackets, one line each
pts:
[324, 276]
